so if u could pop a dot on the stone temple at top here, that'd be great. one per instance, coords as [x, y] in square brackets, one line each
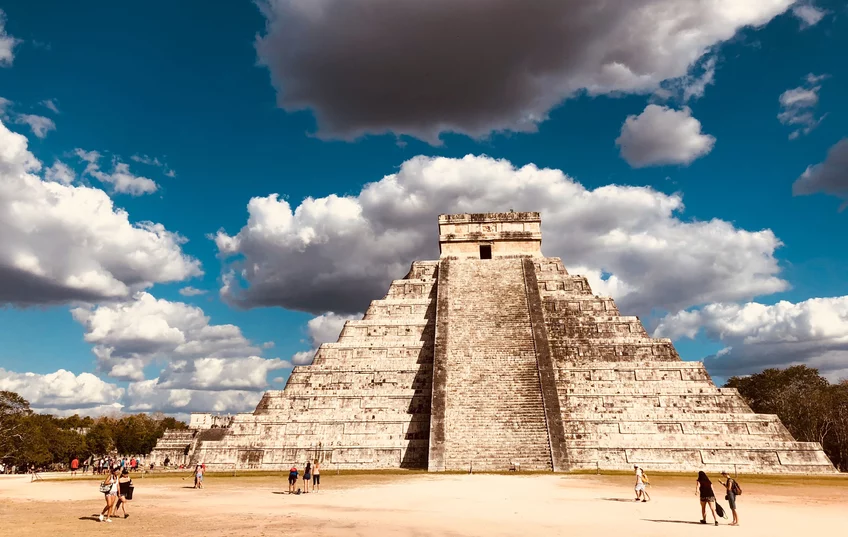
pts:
[495, 356]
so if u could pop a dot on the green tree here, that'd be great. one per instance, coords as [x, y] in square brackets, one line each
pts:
[803, 400]
[14, 409]
[100, 437]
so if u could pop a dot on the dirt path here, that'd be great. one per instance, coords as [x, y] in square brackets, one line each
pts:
[417, 505]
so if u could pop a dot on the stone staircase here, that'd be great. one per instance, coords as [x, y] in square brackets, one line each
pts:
[493, 414]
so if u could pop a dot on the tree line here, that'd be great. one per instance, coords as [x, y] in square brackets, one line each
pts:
[813, 409]
[44, 441]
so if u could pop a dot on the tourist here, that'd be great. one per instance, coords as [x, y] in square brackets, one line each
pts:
[316, 476]
[86, 464]
[732, 488]
[167, 461]
[74, 466]
[307, 476]
[292, 479]
[109, 488]
[704, 489]
[641, 481]
[198, 477]
[125, 486]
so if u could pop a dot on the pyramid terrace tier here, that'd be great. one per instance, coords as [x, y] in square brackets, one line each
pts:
[401, 308]
[610, 349]
[802, 458]
[570, 326]
[412, 289]
[374, 354]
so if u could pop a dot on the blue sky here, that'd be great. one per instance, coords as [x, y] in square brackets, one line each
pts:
[185, 84]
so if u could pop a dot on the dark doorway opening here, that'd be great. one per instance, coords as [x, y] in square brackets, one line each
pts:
[485, 251]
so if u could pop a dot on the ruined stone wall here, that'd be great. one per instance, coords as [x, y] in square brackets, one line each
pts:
[363, 403]
[490, 413]
[628, 399]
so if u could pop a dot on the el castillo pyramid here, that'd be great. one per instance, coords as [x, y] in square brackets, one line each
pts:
[495, 356]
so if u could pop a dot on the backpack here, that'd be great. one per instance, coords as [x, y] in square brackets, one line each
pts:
[735, 488]
[645, 479]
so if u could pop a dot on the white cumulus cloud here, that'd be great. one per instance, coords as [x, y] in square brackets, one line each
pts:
[127, 336]
[322, 329]
[813, 332]
[51, 104]
[339, 252]
[122, 180]
[39, 125]
[192, 291]
[808, 14]
[60, 172]
[7, 43]
[797, 106]
[63, 243]
[63, 392]
[148, 396]
[661, 135]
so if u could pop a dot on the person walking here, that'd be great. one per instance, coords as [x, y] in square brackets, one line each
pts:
[125, 485]
[641, 493]
[316, 476]
[109, 487]
[74, 466]
[292, 478]
[198, 477]
[704, 489]
[733, 489]
[307, 476]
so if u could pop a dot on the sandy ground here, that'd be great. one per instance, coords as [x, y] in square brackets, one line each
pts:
[419, 505]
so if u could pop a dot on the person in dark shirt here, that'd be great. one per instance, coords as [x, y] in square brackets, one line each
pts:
[293, 473]
[704, 489]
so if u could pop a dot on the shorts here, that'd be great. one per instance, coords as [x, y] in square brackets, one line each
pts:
[316, 479]
[731, 500]
[708, 499]
[292, 479]
[640, 487]
[307, 477]
[199, 477]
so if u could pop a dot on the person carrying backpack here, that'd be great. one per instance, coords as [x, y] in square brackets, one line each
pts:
[733, 490]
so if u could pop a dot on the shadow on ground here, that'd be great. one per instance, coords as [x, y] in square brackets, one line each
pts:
[673, 521]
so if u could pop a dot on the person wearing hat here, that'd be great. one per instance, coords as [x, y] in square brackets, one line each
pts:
[730, 496]
[641, 493]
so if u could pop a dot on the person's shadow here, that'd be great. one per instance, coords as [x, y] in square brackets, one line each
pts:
[95, 518]
[672, 521]
[626, 500]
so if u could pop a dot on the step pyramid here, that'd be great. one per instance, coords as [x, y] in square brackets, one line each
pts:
[495, 356]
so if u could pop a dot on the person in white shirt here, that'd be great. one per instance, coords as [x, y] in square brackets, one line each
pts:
[641, 493]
